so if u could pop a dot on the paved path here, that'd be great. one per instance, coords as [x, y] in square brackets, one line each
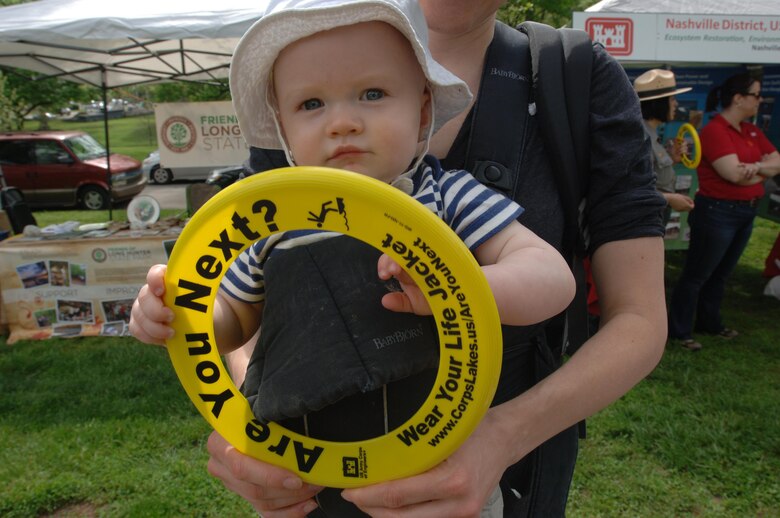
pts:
[171, 196]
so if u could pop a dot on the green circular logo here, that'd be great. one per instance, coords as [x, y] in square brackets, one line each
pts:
[99, 255]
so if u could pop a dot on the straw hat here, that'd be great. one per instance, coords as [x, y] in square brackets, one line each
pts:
[286, 21]
[657, 83]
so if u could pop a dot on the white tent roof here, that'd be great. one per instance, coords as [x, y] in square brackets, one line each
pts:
[735, 7]
[134, 42]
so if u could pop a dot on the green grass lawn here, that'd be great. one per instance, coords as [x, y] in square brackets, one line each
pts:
[119, 213]
[701, 435]
[101, 427]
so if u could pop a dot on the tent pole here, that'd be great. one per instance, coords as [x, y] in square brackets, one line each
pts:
[104, 88]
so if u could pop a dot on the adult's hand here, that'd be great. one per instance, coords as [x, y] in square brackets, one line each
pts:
[679, 202]
[457, 487]
[274, 492]
[677, 148]
[748, 171]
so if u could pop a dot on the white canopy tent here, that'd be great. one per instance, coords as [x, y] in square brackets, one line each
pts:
[693, 31]
[109, 45]
[106, 45]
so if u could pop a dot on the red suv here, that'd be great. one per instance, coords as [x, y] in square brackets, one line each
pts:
[55, 168]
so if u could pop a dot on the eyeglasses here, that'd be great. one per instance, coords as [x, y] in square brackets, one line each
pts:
[756, 95]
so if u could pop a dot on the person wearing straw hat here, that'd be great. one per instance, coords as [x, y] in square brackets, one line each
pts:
[656, 90]
[352, 85]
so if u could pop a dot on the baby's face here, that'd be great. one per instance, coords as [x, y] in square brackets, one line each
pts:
[352, 98]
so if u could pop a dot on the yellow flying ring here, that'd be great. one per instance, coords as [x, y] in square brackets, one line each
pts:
[296, 198]
[691, 162]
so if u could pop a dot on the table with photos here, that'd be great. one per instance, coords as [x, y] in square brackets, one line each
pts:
[81, 285]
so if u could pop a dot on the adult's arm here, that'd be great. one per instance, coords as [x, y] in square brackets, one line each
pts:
[627, 347]
[769, 165]
[720, 150]
[731, 169]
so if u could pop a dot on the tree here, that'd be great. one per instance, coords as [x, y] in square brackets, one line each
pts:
[553, 12]
[9, 119]
[35, 95]
[190, 92]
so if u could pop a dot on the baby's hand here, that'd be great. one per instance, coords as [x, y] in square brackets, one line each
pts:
[150, 319]
[411, 299]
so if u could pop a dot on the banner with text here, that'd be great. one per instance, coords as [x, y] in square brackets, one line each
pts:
[76, 287]
[702, 38]
[199, 134]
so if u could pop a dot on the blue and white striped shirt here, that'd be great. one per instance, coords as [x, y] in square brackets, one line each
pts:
[475, 212]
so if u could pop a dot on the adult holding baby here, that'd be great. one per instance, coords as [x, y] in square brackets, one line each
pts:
[624, 222]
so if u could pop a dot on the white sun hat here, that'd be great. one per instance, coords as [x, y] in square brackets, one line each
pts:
[286, 21]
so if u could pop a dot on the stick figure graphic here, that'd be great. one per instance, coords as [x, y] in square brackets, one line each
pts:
[326, 208]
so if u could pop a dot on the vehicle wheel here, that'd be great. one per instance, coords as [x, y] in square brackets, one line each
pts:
[161, 175]
[93, 198]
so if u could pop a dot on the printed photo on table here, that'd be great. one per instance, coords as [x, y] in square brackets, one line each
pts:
[33, 274]
[117, 310]
[78, 274]
[66, 330]
[46, 317]
[59, 273]
[75, 311]
[112, 329]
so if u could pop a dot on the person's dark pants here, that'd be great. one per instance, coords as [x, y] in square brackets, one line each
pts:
[720, 231]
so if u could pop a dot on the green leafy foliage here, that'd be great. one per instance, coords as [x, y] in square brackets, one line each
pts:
[9, 118]
[553, 12]
[29, 93]
[190, 92]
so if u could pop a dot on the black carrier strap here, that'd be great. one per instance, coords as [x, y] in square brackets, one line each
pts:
[549, 70]
[561, 61]
[505, 88]
[561, 66]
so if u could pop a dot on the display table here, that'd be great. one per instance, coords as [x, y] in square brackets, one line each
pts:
[83, 286]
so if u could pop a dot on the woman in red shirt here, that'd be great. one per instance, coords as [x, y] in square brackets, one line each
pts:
[736, 159]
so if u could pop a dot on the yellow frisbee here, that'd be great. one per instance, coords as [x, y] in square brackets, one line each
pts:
[296, 198]
[688, 160]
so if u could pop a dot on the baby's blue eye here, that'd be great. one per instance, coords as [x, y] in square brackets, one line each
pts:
[311, 104]
[373, 94]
